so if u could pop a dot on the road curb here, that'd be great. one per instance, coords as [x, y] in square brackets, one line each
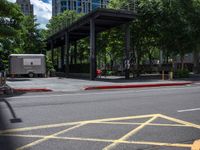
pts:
[26, 90]
[136, 86]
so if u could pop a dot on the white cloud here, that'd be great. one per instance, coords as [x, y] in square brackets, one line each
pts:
[12, 1]
[42, 10]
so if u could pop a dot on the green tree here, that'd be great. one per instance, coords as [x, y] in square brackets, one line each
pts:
[10, 26]
[10, 18]
[31, 36]
[18, 33]
[61, 21]
[169, 25]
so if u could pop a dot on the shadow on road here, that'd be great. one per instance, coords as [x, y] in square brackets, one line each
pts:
[141, 78]
[6, 143]
[18, 79]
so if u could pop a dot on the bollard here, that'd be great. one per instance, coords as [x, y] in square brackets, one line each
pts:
[170, 75]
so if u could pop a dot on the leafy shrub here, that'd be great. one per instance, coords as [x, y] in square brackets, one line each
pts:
[79, 68]
[49, 64]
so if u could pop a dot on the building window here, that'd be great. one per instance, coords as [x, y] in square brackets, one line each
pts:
[63, 9]
[63, 3]
[74, 5]
[69, 6]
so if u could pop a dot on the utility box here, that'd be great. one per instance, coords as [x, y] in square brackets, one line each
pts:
[27, 64]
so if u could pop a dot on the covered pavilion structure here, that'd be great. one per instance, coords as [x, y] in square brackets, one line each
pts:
[89, 26]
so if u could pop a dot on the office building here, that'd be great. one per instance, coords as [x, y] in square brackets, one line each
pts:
[26, 6]
[80, 6]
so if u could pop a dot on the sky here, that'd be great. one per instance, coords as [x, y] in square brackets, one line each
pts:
[42, 10]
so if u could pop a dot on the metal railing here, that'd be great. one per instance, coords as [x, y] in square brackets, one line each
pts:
[68, 21]
[130, 5]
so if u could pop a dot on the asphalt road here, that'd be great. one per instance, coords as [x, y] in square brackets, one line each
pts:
[130, 119]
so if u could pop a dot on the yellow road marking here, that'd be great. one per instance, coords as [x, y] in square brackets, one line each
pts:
[122, 140]
[23, 135]
[45, 138]
[180, 121]
[134, 131]
[106, 140]
[74, 123]
[162, 144]
[150, 124]
[38, 127]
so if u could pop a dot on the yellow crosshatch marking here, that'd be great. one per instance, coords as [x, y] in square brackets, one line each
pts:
[112, 143]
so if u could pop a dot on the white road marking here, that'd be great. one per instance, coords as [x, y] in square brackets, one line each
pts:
[188, 110]
[103, 93]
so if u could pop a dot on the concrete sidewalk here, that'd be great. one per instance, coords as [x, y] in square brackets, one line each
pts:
[72, 85]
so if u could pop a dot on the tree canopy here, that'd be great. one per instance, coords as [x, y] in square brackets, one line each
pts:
[168, 25]
[61, 21]
[10, 18]
[18, 33]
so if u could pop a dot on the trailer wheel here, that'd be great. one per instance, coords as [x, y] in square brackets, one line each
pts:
[31, 74]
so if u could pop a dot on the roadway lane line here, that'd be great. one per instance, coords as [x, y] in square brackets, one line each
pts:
[74, 123]
[114, 142]
[188, 110]
[105, 140]
[45, 138]
[103, 93]
[150, 124]
[180, 121]
[131, 133]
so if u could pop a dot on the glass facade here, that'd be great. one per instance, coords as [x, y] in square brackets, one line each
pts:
[26, 7]
[80, 6]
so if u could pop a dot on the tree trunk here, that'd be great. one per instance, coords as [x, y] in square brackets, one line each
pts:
[137, 63]
[196, 68]
[105, 61]
[150, 62]
[182, 61]
[174, 64]
[71, 58]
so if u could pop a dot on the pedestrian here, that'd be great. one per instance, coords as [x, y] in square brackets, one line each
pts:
[99, 72]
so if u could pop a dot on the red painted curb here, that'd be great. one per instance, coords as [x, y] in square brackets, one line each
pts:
[135, 86]
[31, 90]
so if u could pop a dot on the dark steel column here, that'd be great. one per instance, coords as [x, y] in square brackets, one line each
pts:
[127, 50]
[67, 53]
[92, 50]
[62, 57]
[75, 52]
[52, 52]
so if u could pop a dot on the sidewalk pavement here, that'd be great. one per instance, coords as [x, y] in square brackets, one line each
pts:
[57, 84]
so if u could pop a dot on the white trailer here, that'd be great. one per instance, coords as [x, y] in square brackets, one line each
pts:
[27, 64]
